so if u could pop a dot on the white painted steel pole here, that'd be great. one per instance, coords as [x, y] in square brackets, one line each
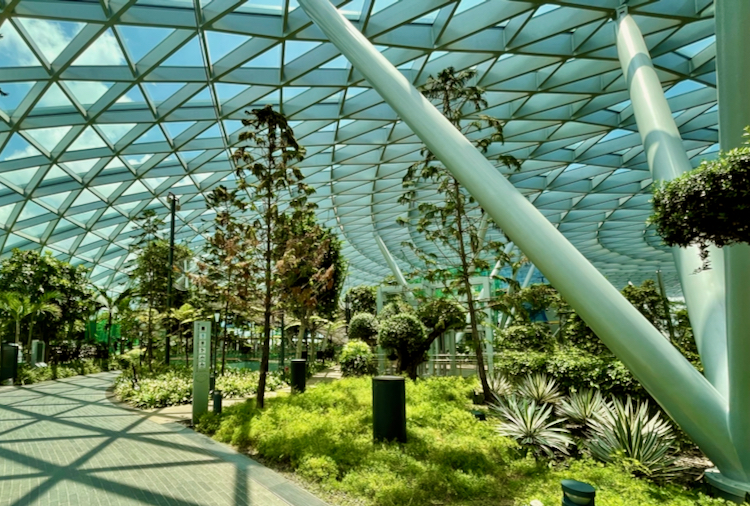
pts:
[667, 159]
[395, 268]
[733, 72]
[663, 371]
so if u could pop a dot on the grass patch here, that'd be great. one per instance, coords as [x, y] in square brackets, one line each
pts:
[324, 436]
[28, 375]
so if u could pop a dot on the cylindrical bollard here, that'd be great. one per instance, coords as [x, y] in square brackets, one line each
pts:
[389, 408]
[211, 382]
[299, 375]
[577, 493]
[217, 401]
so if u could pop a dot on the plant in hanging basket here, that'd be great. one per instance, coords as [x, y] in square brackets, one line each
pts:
[708, 205]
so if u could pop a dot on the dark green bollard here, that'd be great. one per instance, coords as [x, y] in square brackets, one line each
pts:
[389, 408]
[577, 493]
[299, 375]
[217, 401]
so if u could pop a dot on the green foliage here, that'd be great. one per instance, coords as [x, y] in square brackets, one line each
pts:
[572, 369]
[531, 337]
[364, 327]
[440, 315]
[27, 375]
[625, 431]
[396, 306]
[363, 299]
[708, 205]
[408, 338]
[582, 406]
[500, 385]
[539, 388]
[356, 359]
[532, 426]
[174, 386]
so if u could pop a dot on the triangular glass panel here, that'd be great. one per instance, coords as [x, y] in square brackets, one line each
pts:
[189, 155]
[48, 137]
[293, 49]
[232, 125]
[154, 182]
[127, 207]
[89, 239]
[133, 95]
[140, 40]
[202, 97]
[222, 43]
[340, 62]
[210, 133]
[5, 213]
[189, 55]
[54, 201]
[18, 147]
[89, 139]
[80, 167]
[175, 128]
[115, 131]
[66, 244]
[136, 161]
[51, 37]
[271, 58]
[106, 231]
[34, 232]
[31, 210]
[13, 50]
[13, 241]
[55, 173]
[85, 197]
[87, 92]
[226, 91]
[15, 93]
[135, 188]
[20, 178]
[154, 134]
[104, 51]
[159, 92]
[54, 97]
[185, 181]
[106, 190]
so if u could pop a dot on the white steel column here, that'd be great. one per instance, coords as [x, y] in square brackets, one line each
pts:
[663, 371]
[667, 159]
[395, 269]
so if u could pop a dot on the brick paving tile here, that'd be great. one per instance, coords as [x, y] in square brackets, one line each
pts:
[64, 443]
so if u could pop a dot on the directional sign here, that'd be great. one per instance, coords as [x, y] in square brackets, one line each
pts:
[201, 367]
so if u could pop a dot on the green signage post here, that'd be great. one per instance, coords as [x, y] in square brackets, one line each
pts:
[201, 367]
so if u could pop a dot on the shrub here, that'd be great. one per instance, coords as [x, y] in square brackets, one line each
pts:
[532, 336]
[532, 426]
[356, 359]
[27, 375]
[500, 386]
[582, 407]
[363, 299]
[626, 432]
[364, 327]
[440, 315]
[405, 334]
[318, 469]
[540, 389]
[710, 204]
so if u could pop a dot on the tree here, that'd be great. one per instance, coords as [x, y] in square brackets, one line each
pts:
[33, 274]
[183, 315]
[364, 327]
[276, 188]
[453, 221]
[408, 338]
[311, 270]
[230, 267]
[113, 305]
[18, 307]
[363, 299]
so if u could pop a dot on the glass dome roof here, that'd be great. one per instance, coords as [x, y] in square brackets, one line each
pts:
[112, 105]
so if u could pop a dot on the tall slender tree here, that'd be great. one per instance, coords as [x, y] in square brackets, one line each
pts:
[266, 170]
[114, 305]
[451, 223]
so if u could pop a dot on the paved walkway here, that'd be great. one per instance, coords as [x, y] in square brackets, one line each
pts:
[64, 443]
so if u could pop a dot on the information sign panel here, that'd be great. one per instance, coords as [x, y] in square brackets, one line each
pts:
[201, 367]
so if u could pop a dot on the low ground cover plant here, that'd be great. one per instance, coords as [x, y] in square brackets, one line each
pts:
[174, 386]
[324, 436]
[28, 375]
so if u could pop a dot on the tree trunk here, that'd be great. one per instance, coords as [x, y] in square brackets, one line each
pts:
[300, 338]
[18, 331]
[466, 275]
[187, 356]
[260, 397]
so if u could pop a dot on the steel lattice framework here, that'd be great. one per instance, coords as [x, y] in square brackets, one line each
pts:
[112, 104]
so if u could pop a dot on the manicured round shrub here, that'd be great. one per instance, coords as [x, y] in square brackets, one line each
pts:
[441, 315]
[405, 334]
[364, 327]
[532, 336]
[356, 359]
[363, 299]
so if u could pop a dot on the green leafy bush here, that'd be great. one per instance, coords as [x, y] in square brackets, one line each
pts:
[532, 336]
[174, 386]
[408, 338]
[363, 299]
[356, 359]
[364, 327]
[710, 204]
[27, 375]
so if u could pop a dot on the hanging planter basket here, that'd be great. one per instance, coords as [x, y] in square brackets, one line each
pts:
[708, 205]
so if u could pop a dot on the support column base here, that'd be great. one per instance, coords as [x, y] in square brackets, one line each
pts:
[727, 488]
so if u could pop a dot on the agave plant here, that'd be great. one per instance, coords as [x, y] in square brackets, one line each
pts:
[532, 426]
[500, 386]
[627, 431]
[582, 406]
[539, 388]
